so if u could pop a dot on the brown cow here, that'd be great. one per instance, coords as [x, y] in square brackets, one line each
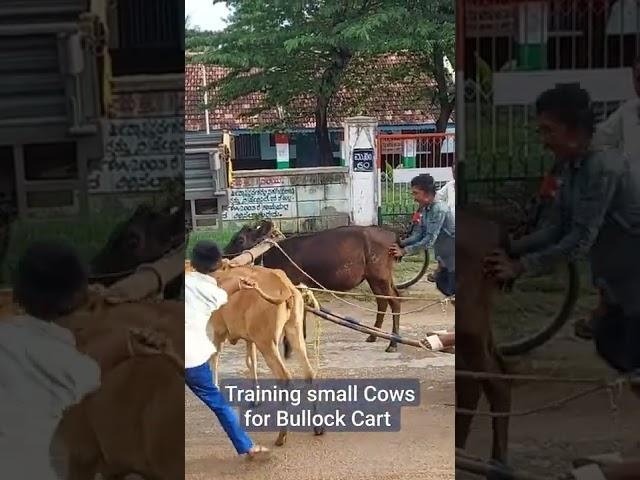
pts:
[262, 323]
[476, 347]
[143, 238]
[340, 259]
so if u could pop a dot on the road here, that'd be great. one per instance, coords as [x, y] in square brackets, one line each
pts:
[422, 450]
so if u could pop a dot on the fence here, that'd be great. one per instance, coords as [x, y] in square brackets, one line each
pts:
[513, 50]
[403, 156]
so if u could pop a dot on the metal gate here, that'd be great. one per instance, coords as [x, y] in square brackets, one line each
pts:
[512, 51]
[403, 156]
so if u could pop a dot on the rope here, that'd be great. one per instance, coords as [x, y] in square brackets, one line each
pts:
[323, 288]
[532, 411]
[612, 387]
[529, 378]
[365, 294]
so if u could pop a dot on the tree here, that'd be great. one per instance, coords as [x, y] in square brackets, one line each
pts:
[293, 52]
[296, 53]
[425, 35]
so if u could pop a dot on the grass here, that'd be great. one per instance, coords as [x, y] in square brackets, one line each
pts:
[221, 237]
[87, 237]
[535, 302]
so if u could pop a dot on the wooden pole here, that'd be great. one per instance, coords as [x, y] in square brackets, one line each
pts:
[149, 279]
[249, 256]
[363, 328]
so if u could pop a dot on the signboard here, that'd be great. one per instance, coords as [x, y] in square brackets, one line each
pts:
[139, 155]
[439, 174]
[271, 202]
[484, 20]
[522, 88]
[363, 160]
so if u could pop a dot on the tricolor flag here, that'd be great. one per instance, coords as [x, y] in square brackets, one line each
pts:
[533, 34]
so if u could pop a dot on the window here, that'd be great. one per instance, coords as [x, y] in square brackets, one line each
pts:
[206, 206]
[7, 180]
[50, 199]
[48, 183]
[149, 37]
[50, 161]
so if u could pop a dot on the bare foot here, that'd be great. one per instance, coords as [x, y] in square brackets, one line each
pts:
[258, 453]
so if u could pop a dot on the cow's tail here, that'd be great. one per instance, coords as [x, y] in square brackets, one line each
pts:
[295, 306]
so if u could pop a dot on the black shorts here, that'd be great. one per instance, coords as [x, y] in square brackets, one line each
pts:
[617, 339]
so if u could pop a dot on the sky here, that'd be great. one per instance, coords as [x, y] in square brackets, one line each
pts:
[205, 15]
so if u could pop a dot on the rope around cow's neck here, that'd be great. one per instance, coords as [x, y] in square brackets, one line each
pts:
[325, 289]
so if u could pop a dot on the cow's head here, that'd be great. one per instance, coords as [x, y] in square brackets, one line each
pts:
[249, 236]
[144, 237]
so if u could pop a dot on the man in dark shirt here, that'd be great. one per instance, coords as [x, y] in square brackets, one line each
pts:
[596, 214]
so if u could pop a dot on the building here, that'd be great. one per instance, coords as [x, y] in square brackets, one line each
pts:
[91, 104]
[278, 175]
[512, 51]
[394, 105]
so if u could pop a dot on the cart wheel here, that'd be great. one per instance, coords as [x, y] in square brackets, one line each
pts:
[535, 309]
[410, 270]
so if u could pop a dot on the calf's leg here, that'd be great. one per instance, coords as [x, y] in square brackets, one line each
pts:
[271, 354]
[294, 331]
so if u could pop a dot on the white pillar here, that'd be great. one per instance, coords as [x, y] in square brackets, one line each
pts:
[361, 159]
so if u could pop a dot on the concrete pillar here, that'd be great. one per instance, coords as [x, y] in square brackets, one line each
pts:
[361, 158]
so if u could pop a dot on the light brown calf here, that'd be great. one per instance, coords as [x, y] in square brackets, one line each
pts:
[262, 324]
[135, 422]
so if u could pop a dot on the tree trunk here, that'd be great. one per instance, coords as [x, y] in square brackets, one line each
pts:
[445, 102]
[323, 142]
[329, 85]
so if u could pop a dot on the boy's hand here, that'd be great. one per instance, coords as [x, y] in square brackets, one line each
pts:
[145, 341]
[248, 283]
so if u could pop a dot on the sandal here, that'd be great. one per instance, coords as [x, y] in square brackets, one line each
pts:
[258, 453]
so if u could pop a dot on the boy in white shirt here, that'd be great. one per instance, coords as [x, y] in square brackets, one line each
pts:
[203, 296]
[42, 371]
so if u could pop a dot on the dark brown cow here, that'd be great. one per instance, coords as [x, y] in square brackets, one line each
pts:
[475, 345]
[145, 237]
[339, 259]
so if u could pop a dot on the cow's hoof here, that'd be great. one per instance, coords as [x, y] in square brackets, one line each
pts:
[318, 430]
[281, 440]
[392, 349]
[372, 339]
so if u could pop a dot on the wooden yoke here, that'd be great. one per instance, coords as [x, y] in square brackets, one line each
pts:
[248, 257]
[148, 280]
[245, 258]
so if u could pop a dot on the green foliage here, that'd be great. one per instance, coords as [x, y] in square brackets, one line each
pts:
[298, 54]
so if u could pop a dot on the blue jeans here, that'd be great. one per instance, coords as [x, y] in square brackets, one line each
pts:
[446, 281]
[200, 382]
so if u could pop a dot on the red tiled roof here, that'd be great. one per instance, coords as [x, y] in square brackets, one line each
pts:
[391, 103]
